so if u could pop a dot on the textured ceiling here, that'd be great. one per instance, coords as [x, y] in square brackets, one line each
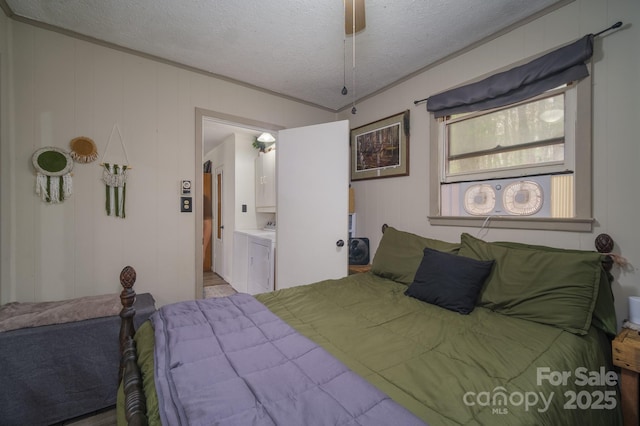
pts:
[291, 47]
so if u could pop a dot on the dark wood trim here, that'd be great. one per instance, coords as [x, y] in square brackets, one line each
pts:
[134, 398]
[129, 373]
[127, 298]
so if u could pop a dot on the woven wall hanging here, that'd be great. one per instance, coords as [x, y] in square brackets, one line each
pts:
[83, 149]
[53, 174]
[115, 178]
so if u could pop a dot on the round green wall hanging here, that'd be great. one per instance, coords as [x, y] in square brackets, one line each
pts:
[52, 161]
[53, 177]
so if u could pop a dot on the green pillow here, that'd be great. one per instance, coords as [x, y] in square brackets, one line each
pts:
[553, 287]
[400, 253]
[604, 313]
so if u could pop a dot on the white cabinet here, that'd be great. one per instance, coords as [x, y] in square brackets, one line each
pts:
[261, 265]
[239, 266]
[253, 261]
[265, 167]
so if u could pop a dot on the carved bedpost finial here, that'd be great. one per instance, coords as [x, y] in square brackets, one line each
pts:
[604, 245]
[127, 280]
[128, 295]
[127, 298]
[128, 277]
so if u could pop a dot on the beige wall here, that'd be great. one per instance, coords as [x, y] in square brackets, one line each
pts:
[403, 201]
[60, 88]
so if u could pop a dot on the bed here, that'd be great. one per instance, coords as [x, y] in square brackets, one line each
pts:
[57, 359]
[464, 333]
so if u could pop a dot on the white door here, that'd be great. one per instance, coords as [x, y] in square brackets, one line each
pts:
[218, 228]
[312, 182]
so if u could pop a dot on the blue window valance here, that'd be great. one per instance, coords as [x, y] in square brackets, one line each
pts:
[553, 69]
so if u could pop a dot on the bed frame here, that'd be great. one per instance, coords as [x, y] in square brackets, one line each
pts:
[130, 375]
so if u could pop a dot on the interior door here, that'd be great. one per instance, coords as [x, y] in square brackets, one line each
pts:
[218, 252]
[312, 190]
[207, 222]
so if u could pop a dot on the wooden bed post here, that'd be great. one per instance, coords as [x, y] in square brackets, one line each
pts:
[134, 399]
[604, 245]
[127, 298]
[129, 373]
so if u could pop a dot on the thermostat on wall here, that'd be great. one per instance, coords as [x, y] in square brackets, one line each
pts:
[185, 187]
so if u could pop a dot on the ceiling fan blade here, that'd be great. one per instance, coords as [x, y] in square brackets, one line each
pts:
[348, 17]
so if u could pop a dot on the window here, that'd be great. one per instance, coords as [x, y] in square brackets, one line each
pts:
[528, 138]
[518, 165]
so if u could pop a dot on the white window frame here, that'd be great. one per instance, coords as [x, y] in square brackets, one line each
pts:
[578, 107]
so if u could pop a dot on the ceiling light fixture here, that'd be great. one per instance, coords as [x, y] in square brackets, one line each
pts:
[266, 137]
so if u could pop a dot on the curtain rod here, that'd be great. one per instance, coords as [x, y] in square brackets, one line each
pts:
[613, 27]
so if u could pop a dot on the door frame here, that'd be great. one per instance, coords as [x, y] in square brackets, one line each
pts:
[222, 118]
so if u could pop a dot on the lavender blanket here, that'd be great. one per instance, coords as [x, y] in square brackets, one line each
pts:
[231, 361]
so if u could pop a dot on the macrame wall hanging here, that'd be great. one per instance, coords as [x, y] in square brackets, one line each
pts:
[115, 178]
[53, 174]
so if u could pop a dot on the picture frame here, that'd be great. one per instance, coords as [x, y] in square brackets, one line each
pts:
[381, 149]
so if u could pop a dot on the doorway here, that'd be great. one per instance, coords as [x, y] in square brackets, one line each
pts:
[207, 215]
[211, 130]
[218, 252]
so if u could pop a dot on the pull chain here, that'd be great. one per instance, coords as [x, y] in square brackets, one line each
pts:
[344, 55]
[353, 74]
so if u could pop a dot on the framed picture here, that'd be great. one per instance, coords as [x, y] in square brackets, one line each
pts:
[381, 149]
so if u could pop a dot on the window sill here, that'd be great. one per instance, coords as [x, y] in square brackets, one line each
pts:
[551, 224]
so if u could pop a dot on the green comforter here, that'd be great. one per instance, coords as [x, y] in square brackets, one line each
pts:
[453, 369]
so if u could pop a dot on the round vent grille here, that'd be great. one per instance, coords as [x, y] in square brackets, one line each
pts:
[479, 199]
[523, 198]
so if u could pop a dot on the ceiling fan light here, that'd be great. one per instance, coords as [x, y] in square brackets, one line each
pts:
[266, 137]
[360, 17]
